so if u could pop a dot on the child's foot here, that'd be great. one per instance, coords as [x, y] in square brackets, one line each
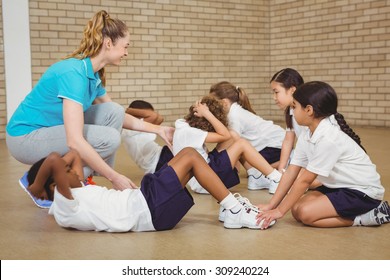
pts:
[242, 200]
[273, 186]
[382, 213]
[376, 216]
[42, 203]
[258, 182]
[245, 217]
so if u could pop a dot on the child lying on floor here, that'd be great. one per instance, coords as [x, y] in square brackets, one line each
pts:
[159, 204]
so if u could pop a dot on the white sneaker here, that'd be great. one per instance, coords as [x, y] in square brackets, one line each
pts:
[273, 186]
[242, 200]
[258, 183]
[382, 213]
[245, 217]
[377, 216]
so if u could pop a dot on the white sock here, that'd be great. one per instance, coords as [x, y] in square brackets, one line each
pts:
[357, 221]
[275, 175]
[368, 219]
[254, 172]
[231, 203]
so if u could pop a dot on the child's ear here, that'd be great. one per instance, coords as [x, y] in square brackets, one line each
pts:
[309, 110]
[291, 90]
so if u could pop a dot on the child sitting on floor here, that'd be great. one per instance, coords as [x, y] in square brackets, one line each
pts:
[206, 123]
[141, 146]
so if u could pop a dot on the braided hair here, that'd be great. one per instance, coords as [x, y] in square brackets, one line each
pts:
[323, 98]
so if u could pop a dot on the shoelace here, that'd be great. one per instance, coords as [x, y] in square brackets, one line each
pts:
[246, 203]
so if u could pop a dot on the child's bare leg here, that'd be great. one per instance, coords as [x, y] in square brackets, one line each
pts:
[315, 209]
[188, 163]
[243, 149]
[226, 144]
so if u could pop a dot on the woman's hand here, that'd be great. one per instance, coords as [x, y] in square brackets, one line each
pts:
[266, 217]
[121, 182]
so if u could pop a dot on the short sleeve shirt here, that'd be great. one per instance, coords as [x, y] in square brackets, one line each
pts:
[187, 136]
[337, 159]
[259, 132]
[71, 79]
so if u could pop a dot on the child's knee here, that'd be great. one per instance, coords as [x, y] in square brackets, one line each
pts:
[302, 213]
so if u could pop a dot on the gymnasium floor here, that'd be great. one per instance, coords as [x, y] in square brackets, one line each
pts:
[27, 232]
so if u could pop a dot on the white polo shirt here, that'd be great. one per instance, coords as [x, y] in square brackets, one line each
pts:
[187, 136]
[142, 148]
[259, 132]
[337, 159]
[101, 209]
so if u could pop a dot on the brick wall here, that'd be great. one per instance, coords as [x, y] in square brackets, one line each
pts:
[179, 48]
[345, 43]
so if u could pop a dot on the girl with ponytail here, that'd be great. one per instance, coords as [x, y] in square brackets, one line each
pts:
[331, 152]
[265, 136]
[69, 107]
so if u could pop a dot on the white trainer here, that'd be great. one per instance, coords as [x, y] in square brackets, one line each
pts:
[245, 217]
[258, 183]
[273, 186]
[242, 200]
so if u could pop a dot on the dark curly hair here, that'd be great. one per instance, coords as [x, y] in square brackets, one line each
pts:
[216, 108]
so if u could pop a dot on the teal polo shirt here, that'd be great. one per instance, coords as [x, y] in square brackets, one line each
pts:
[72, 79]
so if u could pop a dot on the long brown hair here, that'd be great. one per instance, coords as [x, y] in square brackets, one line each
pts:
[233, 93]
[216, 108]
[100, 26]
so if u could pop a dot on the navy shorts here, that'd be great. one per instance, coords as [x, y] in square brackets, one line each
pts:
[165, 156]
[271, 154]
[168, 201]
[221, 165]
[349, 203]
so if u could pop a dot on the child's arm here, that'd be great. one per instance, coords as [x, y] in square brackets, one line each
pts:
[44, 172]
[59, 172]
[287, 146]
[73, 159]
[286, 197]
[221, 133]
[147, 115]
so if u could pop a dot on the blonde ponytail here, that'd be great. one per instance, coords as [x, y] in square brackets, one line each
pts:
[99, 27]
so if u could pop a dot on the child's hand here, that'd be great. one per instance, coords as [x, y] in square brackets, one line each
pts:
[268, 216]
[200, 110]
[264, 207]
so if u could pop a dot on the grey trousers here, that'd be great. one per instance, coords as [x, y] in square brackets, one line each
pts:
[102, 128]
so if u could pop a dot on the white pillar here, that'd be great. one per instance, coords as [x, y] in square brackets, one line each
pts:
[17, 52]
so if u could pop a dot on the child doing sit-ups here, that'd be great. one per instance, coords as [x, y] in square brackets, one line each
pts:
[159, 204]
[206, 123]
[142, 146]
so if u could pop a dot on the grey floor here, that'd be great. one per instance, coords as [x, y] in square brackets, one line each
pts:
[27, 232]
